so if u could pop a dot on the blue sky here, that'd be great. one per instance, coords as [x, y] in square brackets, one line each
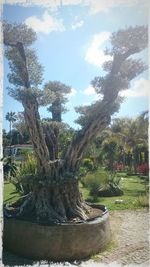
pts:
[71, 36]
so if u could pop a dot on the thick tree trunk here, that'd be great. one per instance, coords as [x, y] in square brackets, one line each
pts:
[36, 133]
[48, 205]
[60, 203]
[86, 136]
[51, 138]
[32, 118]
[101, 117]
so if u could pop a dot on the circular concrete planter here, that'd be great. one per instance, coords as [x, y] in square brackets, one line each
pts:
[58, 242]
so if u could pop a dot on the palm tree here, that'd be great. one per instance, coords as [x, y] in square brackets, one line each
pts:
[11, 117]
[134, 136]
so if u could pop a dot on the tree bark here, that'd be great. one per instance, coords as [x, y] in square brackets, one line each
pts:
[32, 119]
[100, 120]
[52, 204]
[51, 138]
[36, 133]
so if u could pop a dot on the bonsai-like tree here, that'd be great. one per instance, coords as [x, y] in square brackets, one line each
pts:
[55, 196]
[54, 93]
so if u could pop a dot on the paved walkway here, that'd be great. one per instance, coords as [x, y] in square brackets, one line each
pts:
[131, 239]
[130, 245]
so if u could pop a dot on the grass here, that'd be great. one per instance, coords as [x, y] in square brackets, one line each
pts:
[133, 187]
[10, 195]
[108, 248]
[134, 196]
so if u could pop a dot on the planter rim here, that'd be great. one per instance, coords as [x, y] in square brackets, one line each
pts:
[96, 219]
[58, 242]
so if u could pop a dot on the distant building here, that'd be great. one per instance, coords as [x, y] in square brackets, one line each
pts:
[17, 151]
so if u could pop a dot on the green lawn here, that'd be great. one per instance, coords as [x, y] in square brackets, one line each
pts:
[10, 194]
[133, 188]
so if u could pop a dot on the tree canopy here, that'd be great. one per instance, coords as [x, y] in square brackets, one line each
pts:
[55, 94]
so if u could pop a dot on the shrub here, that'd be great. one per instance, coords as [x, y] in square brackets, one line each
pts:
[119, 167]
[143, 169]
[82, 173]
[86, 167]
[103, 183]
[9, 167]
[26, 174]
[111, 186]
[143, 200]
[94, 180]
[88, 164]
[110, 190]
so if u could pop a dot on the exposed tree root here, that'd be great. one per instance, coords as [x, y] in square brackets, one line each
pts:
[51, 205]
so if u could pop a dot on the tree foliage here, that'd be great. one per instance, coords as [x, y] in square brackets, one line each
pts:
[18, 32]
[124, 143]
[21, 127]
[55, 94]
[11, 117]
[17, 75]
[128, 41]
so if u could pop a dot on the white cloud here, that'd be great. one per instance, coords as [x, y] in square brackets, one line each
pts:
[77, 24]
[86, 104]
[45, 25]
[95, 6]
[95, 54]
[72, 93]
[139, 88]
[89, 90]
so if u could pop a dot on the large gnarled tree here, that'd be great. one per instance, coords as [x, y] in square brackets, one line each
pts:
[55, 197]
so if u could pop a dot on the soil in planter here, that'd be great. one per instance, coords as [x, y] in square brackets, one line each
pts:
[93, 213]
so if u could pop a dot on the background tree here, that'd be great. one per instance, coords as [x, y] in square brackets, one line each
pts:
[56, 196]
[107, 149]
[17, 138]
[21, 128]
[11, 117]
[6, 140]
[54, 95]
[123, 143]
[133, 134]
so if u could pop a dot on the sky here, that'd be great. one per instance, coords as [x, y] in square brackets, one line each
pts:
[71, 37]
